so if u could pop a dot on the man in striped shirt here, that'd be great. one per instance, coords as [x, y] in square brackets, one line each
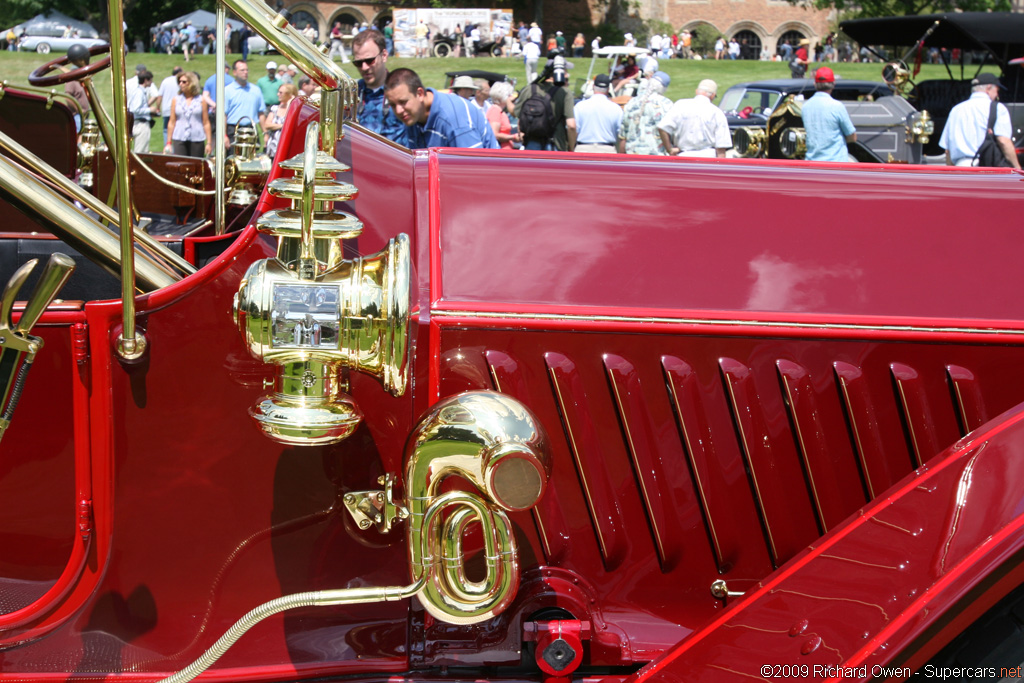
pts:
[436, 119]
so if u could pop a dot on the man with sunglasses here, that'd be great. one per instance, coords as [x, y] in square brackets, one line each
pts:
[370, 56]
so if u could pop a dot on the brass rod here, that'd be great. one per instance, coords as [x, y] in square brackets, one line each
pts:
[128, 342]
[307, 261]
[102, 119]
[79, 231]
[290, 43]
[220, 127]
[76, 193]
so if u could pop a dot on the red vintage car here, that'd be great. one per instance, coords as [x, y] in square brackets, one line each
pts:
[483, 415]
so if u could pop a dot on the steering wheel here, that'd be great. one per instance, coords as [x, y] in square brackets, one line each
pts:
[40, 79]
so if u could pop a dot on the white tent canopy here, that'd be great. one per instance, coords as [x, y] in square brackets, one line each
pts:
[199, 18]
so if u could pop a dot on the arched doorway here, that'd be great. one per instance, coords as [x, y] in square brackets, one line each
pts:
[302, 18]
[750, 44]
[793, 37]
[703, 37]
[349, 20]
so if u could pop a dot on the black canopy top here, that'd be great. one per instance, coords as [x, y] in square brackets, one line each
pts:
[999, 33]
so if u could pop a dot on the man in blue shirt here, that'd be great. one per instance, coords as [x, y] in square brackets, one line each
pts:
[242, 100]
[598, 120]
[370, 56]
[436, 119]
[826, 121]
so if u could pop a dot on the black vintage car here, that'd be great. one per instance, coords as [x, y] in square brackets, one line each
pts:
[444, 45]
[888, 128]
[968, 43]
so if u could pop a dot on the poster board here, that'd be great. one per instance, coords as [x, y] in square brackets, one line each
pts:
[492, 23]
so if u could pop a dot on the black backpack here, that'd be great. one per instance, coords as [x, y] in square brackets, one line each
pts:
[990, 153]
[537, 116]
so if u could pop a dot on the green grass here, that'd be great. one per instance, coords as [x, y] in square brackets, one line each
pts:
[15, 68]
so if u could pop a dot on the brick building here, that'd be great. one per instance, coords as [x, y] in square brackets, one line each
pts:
[760, 22]
[323, 14]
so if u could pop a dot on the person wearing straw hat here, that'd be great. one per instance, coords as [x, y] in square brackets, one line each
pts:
[798, 64]
[464, 87]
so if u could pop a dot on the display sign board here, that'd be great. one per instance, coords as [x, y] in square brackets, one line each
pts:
[493, 23]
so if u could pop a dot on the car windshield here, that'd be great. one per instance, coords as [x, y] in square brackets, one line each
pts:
[760, 101]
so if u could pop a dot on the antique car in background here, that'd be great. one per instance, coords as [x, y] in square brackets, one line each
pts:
[491, 77]
[888, 128]
[398, 426]
[442, 45]
[46, 44]
[961, 37]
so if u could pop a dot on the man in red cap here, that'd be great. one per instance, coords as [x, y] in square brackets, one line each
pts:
[826, 121]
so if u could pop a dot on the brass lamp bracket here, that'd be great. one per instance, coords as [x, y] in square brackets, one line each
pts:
[376, 508]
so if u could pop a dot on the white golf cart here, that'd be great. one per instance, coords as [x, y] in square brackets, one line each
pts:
[614, 55]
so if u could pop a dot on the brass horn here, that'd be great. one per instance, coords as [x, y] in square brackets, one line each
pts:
[495, 443]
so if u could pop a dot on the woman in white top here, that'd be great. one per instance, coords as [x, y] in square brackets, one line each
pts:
[188, 131]
[276, 116]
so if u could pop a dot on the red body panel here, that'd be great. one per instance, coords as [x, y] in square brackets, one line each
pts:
[720, 388]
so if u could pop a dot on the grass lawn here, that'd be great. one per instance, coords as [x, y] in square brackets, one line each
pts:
[16, 66]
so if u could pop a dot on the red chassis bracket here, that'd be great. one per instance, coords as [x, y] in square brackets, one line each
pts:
[559, 646]
[878, 596]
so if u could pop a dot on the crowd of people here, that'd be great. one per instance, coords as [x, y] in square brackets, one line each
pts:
[187, 104]
[541, 116]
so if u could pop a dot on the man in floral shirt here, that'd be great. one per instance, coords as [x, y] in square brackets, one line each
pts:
[639, 131]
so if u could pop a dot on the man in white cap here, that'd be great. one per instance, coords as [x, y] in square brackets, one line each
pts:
[696, 127]
[640, 117]
[598, 120]
[269, 84]
[969, 122]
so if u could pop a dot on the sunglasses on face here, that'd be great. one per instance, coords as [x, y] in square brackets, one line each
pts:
[366, 62]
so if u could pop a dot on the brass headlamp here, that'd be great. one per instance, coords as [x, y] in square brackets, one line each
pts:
[749, 141]
[920, 127]
[314, 314]
[793, 142]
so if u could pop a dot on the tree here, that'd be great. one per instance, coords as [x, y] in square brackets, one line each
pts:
[888, 8]
[140, 15]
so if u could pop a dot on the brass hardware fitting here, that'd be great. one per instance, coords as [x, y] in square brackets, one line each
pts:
[89, 144]
[314, 314]
[376, 508]
[18, 347]
[720, 590]
[245, 170]
[920, 127]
